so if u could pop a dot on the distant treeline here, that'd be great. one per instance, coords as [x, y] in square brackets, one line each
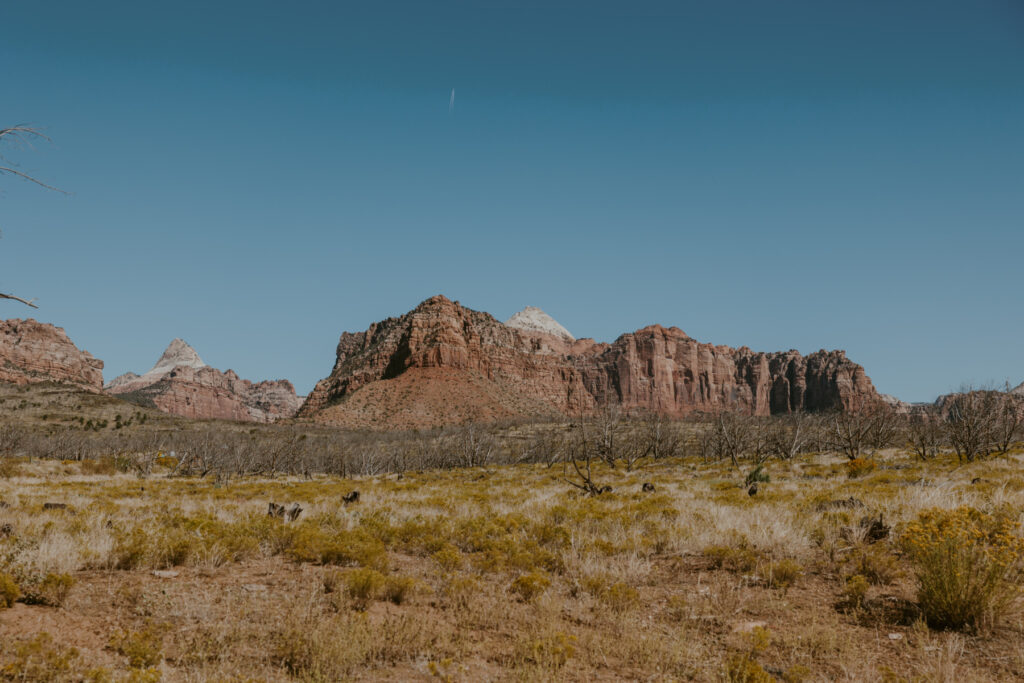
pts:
[972, 425]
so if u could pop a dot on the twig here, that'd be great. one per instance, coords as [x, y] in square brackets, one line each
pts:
[28, 302]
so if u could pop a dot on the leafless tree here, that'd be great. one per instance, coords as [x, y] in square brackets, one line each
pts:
[871, 427]
[632, 445]
[606, 430]
[970, 423]
[661, 435]
[884, 429]
[789, 435]
[11, 438]
[759, 447]
[705, 439]
[580, 455]
[21, 136]
[473, 446]
[1007, 422]
[732, 436]
[925, 433]
[547, 446]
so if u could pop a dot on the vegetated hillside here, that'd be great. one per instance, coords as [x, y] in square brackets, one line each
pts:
[442, 363]
[53, 404]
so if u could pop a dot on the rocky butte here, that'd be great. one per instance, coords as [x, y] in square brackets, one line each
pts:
[442, 363]
[33, 352]
[182, 384]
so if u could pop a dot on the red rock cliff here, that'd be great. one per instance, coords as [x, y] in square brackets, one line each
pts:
[32, 352]
[181, 384]
[667, 371]
[444, 363]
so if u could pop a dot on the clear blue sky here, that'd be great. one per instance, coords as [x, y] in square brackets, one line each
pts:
[258, 177]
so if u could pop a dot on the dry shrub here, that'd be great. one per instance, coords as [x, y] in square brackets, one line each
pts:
[448, 557]
[548, 652]
[969, 565]
[9, 468]
[317, 647]
[797, 674]
[143, 648]
[858, 467]
[314, 544]
[876, 564]
[332, 580]
[784, 573]
[855, 590]
[363, 585]
[678, 608]
[99, 466]
[460, 591]
[322, 649]
[9, 591]
[398, 589]
[742, 667]
[53, 590]
[131, 549]
[530, 586]
[620, 597]
[38, 660]
[215, 642]
[735, 559]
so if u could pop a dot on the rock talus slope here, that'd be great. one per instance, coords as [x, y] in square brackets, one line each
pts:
[182, 384]
[33, 352]
[443, 363]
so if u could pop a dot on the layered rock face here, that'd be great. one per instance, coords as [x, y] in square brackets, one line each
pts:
[33, 352]
[444, 363]
[182, 384]
[450, 364]
[664, 370]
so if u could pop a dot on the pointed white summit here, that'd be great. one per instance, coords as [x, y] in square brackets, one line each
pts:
[533, 319]
[178, 353]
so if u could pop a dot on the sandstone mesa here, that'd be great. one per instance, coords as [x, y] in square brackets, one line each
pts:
[443, 363]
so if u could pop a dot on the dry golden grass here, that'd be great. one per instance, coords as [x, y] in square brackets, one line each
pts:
[505, 573]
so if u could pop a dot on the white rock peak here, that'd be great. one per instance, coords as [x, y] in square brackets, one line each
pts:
[533, 319]
[178, 353]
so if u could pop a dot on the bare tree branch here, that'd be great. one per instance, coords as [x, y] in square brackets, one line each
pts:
[23, 135]
[27, 302]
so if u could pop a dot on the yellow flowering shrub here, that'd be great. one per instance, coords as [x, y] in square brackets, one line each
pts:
[968, 564]
[742, 667]
[858, 467]
[530, 586]
[9, 592]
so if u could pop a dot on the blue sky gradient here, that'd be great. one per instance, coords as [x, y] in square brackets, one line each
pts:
[258, 177]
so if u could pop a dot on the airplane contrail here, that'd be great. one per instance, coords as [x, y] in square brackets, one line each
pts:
[451, 102]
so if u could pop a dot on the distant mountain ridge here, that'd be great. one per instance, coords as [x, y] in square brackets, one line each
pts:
[443, 363]
[182, 384]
